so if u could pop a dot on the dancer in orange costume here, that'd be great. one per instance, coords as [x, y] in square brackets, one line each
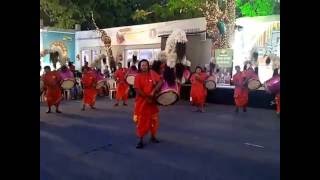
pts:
[89, 82]
[198, 91]
[147, 82]
[52, 85]
[241, 92]
[122, 85]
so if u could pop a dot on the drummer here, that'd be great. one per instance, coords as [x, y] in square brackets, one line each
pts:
[89, 82]
[67, 74]
[100, 78]
[241, 92]
[146, 111]
[198, 91]
[122, 92]
[52, 86]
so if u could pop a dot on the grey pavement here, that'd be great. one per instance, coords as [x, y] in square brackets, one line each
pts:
[216, 145]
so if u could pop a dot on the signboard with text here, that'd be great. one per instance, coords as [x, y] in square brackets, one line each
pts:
[224, 59]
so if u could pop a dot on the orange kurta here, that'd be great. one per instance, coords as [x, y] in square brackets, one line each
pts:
[89, 81]
[146, 113]
[241, 92]
[52, 85]
[122, 85]
[198, 91]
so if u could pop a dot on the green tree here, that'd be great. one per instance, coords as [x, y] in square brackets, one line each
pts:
[60, 13]
[107, 13]
[258, 7]
[169, 10]
[111, 13]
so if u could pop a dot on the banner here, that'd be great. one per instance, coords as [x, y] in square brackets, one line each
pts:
[224, 59]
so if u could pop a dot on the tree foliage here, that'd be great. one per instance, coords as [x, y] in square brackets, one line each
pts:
[111, 13]
[258, 7]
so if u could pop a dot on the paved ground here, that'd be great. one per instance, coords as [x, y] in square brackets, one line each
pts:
[216, 145]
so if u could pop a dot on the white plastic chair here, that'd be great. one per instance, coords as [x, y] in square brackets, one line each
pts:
[112, 85]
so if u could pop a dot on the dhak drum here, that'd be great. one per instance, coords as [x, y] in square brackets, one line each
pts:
[100, 84]
[168, 95]
[253, 80]
[186, 76]
[68, 80]
[130, 77]
[100, 81]
[272, 85]
[67, 83]
[254, 84]
[211, 83]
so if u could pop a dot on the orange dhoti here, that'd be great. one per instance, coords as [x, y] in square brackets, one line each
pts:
[122, 86]
[89, 96]
[198, 92]
[241, 97]
[146, 117]
[53, 96]
[122, 91]
[89, 81]
[146, 114]
[241, 92]
[198, 95]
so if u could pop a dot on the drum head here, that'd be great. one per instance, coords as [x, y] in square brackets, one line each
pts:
[211, 78]
[211, 85]
[67, 84]
[254, 84]
[167, 98]
[100, 84]
[130, 80]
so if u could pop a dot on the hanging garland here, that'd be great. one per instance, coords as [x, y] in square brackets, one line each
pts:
[221, 27]
[219, 22]
[104, 38]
